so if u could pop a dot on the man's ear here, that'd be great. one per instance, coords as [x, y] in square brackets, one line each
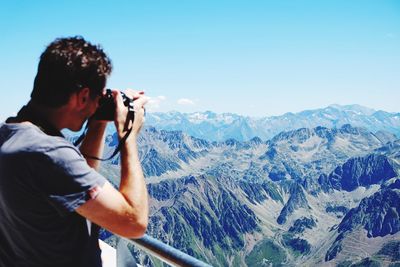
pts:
[82, 97]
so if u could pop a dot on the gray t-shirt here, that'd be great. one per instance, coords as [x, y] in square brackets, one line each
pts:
[43, 179]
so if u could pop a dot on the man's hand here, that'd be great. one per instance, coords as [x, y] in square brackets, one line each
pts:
[121, 112]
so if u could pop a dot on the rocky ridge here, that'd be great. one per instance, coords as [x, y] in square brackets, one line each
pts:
[223, 201]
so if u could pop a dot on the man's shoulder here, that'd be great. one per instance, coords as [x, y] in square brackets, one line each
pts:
[26, 137]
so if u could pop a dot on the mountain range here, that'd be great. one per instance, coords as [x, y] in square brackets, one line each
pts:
[314, 196]
[219, 127]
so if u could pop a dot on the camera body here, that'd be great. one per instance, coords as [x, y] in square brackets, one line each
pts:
[106, 109]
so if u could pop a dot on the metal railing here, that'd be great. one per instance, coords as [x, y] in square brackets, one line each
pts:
[166, 253]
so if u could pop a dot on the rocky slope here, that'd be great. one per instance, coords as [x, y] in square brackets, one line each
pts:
[283, 201]
[376, 216]
[360, 171]
[200, 216]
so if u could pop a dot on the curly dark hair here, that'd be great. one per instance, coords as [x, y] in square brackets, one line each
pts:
[66, 66]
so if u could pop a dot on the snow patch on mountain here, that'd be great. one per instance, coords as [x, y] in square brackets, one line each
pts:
[218, 127]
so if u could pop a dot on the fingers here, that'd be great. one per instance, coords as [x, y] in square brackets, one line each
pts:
[133, 93]
[140, 102]
[121, 111]
[138, 96]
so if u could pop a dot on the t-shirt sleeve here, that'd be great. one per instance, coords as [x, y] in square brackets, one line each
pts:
[67, 179]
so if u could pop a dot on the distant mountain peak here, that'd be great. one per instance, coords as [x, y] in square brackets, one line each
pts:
[355, 108]
[222, 126]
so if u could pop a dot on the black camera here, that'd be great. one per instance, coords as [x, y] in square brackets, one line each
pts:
[106, 109]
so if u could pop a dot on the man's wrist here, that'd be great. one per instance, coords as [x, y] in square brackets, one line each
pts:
[132, 136]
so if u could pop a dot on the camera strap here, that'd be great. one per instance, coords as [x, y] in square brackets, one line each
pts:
[31, 114]
[116, 150]
[130, 118]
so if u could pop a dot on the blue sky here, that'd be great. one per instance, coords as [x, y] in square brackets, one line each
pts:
[256, 58]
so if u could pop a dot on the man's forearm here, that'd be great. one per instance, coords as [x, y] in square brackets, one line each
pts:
[133, 186]
[93, 143]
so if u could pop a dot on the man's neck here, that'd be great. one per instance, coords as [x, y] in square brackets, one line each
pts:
[56, 117]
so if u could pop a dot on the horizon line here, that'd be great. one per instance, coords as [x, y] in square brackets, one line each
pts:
[373, 110]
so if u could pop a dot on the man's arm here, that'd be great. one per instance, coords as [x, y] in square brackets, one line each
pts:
[93, 143]
[124, 212]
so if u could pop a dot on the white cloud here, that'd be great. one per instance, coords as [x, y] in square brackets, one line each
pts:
[185, 102]
[155, 102]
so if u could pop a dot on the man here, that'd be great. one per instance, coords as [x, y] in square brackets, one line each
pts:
[51, 197]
